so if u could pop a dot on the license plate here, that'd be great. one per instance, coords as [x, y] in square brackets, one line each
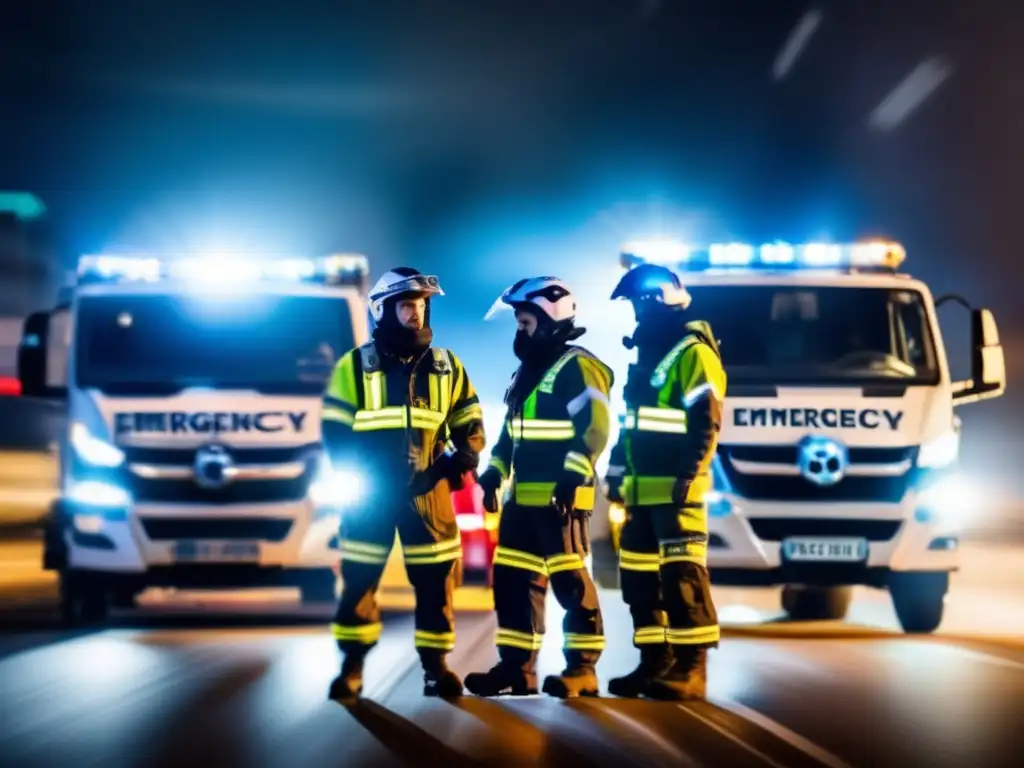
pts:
[826, 550]
[217, 551]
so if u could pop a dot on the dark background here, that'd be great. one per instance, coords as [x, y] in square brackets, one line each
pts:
[485, 140]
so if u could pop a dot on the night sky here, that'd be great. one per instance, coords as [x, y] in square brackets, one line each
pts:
[482, 140]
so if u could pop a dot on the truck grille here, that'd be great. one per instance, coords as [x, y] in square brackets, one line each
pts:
[861, 488]
[779, 528]
[186, 491]
[253, 528]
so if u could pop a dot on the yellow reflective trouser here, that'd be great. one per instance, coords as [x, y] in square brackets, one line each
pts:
[664, 577]
[536, 546]
[431, 549]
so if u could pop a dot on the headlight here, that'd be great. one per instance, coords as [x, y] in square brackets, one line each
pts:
[951, 499]
[718, 505]
[940, 452]
[92, 450]
[93, 493]
[336, 488]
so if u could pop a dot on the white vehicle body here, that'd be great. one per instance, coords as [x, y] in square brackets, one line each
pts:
[837, 455]
[192, 456]
[875, 506]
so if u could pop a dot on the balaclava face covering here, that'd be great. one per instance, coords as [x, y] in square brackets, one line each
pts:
[537, 354]
[658, 329]
[394, 338]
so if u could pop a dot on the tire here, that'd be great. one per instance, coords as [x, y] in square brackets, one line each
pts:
[816, 603]
[319, 587]
[83, 602]
[919, 600]
[123, 599]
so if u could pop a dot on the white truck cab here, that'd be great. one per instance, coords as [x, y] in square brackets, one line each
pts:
[192, 455]
[837, 460]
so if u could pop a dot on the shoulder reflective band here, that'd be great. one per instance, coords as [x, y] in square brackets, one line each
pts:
[530, 428]
[660, 375]
[440, 392]
[376, 416]
[547, 384]
[650, 419]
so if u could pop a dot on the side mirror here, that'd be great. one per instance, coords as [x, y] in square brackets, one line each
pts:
[33, 359]
[988, 367]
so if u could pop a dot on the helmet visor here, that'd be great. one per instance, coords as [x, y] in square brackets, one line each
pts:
[428, 285]
[503, 303]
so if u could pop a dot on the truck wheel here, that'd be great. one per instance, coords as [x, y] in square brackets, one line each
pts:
[919, 600]
[123, 599]
[82, 602]
[319, 587]
[816, 603]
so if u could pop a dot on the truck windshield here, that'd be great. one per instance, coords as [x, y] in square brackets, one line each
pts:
[829, 335]
[158, 344]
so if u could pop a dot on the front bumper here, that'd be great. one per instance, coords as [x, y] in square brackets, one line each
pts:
[746, 538]
[746, 542]
[148, 539]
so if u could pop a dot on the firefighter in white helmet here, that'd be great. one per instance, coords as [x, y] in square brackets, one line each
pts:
[391, 409]
[556, 427]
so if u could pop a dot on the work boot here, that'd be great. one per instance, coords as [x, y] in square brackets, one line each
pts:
[348, 685]
[573, 682]
[441, 683]
[502, 680]
[685, 679]
[655, 660]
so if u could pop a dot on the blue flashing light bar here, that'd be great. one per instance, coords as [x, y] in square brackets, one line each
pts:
[866, 256]
[336, 269]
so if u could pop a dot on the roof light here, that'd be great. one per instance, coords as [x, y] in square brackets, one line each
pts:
[656, 251]
[730, 254]
[110, 267]
[337, 269]
[876, 255]
[341, 266]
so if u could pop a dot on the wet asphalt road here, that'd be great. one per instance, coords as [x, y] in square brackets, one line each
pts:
[166, 686]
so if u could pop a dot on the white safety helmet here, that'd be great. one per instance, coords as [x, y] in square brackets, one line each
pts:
[549, 294]
[549, 298]
[398, 282]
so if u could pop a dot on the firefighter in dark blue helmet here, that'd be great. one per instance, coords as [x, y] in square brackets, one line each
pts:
[660, 471]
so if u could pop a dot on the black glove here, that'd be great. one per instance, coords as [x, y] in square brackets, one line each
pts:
[490, 481]
[613, 490]
[423, 482]
[564, 497]
[457, 466]
[680, 490]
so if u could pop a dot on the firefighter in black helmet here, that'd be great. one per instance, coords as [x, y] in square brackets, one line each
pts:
[660, 470]
[390, 409]
[556, 427]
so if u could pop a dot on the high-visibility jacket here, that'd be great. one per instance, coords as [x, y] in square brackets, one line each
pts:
[392, 417]
[670, 429]
[563, 425]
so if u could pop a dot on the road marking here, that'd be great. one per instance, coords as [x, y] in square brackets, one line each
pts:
[777, 729]
[647, 734]
[733, 738]
[998, 660]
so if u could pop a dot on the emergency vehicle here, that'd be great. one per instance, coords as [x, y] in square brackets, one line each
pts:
[837, 461]
[192, 455]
